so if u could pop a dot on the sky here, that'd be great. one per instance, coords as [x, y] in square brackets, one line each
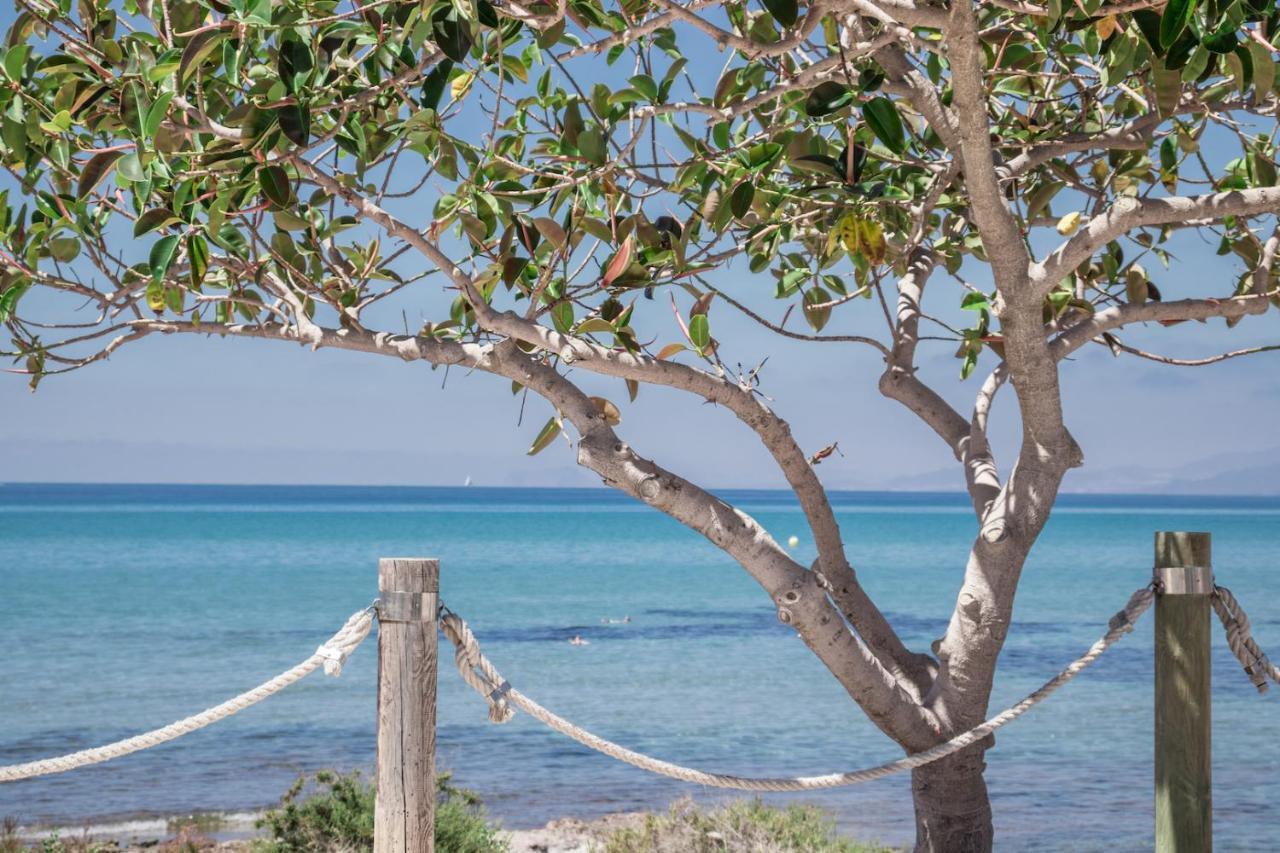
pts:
[192, 410]
[196, 409]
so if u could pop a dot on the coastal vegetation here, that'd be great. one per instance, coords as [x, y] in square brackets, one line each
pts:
[571, 197]
[335, 812]
[746, 826]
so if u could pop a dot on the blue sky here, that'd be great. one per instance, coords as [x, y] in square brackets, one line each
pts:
[187, 409]
[238, 411]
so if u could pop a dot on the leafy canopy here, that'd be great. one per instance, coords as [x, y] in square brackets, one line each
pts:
[166, 158]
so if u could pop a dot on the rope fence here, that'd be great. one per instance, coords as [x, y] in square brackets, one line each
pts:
[503, 700]
[481, 675]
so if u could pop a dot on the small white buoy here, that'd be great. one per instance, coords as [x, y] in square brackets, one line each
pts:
[793, 541]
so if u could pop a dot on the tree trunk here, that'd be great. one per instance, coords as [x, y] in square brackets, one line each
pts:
[953, 813]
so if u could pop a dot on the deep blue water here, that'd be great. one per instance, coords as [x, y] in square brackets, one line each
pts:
[125, 607]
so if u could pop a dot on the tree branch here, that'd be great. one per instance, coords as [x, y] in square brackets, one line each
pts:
[1127, 214]
[798, 593]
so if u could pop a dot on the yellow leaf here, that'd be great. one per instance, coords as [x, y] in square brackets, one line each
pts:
[871, 236]
[670, 350]
[1069, 223]
[849, 234]
[460, 85]
[1105, 26]
[608, 411]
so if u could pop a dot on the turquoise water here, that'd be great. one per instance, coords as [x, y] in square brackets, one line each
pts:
[125, 607]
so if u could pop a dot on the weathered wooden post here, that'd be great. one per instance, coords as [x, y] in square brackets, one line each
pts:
[1184, 791]
[404, 815]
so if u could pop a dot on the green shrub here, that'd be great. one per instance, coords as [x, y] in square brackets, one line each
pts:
[748, 826]
[336, 815]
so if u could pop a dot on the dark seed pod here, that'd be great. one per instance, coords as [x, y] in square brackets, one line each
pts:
[670, 225]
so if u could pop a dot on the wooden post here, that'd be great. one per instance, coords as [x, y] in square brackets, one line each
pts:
[1184, 791]
[404, 816]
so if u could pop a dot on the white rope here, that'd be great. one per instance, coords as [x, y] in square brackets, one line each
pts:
[1240, 639]
[478, 672]
[332, 655]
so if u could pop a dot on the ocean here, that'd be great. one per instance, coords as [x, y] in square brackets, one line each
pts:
[123, 608]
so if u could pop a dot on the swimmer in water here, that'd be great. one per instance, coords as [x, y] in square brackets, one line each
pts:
[578, 641]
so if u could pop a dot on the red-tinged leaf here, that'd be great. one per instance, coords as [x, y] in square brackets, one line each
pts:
[620, 261]
[670, 350]
[703, 304]
[200, 46]
[95, 170]
[833, 447]
[680, 320]
[1171, 322]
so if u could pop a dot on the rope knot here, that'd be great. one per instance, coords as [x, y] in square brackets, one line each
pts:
[1235, 623]
[335, 651]
[475, 668]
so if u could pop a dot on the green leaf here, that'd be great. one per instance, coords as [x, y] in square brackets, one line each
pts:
[594, 324]
[95, 170]
[434, 85]
[882, 117]
[1223, 39]
[294, 64]
[826, 98]
[131, 169]
[817, 317]
[1168, 85]
[740, 201]
[152, 219]
[545, 436]
[700, 332]
[645, 85]
[791, 281]
[591, 144]
[451, 35]
[1149, 23]
[162, 254]
[64, 248]
[562, 316]
[1175, 18]
[785, 12]
[275, 185]
[295, 123]
[200, 46]
[198, 257]
[156, 114]
[9, 298]
[1264, 71]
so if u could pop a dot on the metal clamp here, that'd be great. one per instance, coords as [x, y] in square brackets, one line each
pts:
[407, 606]
[1183, 580]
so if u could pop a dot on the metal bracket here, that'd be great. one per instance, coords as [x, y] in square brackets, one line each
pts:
[407, 606]
[1183, 580]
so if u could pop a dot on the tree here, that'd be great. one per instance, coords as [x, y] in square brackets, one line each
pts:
[289, 169]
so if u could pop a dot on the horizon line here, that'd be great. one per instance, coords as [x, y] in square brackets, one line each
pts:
[958, 493]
